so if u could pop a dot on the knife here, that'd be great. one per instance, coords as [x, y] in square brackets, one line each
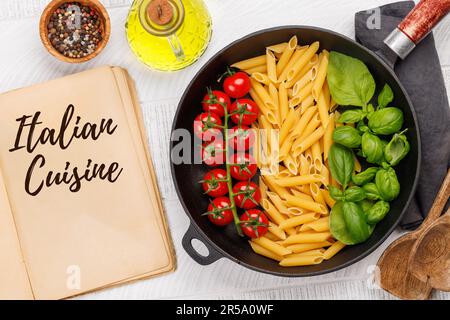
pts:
[415, 27]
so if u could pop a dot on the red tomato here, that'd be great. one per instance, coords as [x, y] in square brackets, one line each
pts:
[219, 212]
[247, 194]
[213, 153]
[214, 101]
[241, 138]
[243, 166]
[237, 84]
[254, 223]
[206, 125]
[244, 111]
[214, 183]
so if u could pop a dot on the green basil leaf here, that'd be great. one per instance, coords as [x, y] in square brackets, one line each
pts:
[364, 177]
[371, 190]
[377, 212]
[372, 148]
[386, 121]
[354, 194]
[336, 193]
[347, 136]
[349, 80]
[351, 116]
[387, 184]
[341, 163]
[355, 221]
[385, 97]
[396, 149]
[365, 205]
[338, 228]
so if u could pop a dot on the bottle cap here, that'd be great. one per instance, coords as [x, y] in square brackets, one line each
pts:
[160, 12]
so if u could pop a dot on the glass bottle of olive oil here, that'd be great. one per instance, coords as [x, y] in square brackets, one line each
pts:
[168, 35]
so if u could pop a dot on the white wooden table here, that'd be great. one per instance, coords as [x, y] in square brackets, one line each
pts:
[24, 61]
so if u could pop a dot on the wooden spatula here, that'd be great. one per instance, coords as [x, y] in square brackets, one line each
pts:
[432, 259]
[393, 263]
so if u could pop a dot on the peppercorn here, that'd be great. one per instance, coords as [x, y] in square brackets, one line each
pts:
[70, 39]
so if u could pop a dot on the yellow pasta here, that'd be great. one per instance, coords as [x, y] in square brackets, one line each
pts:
[295, 57]
[296, 221]
[301, 261]
[271, 66]
[283, 101]
[321, 75]
[316, 156]
[328, 199]
[278, 48]
[304, 247]
[277, 231]
[306, 204]
[328, 137]
[319, 225]
[323, 109]
[261, 77]
[263, 94]
[286, 55]
[299, 180]
[311, 139]
[317, 194]
[272, 246]
[264, 252]
[250, 63]
[304, 59]
[294, 132]
[331, 251]
[307, 237]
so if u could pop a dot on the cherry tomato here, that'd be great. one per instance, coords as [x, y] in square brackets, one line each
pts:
[243, 166]
[219, 212]
[206, 125]
[214, 101]
[213, 153]
[214, 183]
[237, 84]
[241, 138]
[247, 194]
[245, 111]
[254, 223]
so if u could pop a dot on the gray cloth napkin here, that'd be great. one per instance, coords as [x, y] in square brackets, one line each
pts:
[421, 75]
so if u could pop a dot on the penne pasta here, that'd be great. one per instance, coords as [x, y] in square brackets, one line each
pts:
[271, 66]
[296, 221]
[261, 77]
[305, 247]
[302, 61]
[328, 137]
[278, 48]
[264, 252]
[283, 101]
[331, 251]
[272, 246]
[321, 76]
[277, 231]
[307, 238]
[328, 199]
[299, 180]
[306, 204]
[301, 261]
[286, 55]
[250, 63]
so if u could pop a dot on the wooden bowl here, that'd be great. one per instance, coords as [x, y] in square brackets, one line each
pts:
[105, 28]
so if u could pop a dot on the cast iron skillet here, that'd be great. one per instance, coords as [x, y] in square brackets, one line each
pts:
[225, 242]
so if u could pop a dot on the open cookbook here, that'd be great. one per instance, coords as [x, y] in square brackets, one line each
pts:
[80, 208]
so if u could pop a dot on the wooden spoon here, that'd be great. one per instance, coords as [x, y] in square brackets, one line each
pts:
[432, 259]
[393, 263]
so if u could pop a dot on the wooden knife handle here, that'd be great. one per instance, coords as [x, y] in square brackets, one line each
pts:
[422, 19]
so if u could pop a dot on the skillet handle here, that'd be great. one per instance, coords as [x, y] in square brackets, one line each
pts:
[191, 234]
[416, 25]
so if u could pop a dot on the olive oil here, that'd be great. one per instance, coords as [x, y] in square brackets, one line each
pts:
[168, 35]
